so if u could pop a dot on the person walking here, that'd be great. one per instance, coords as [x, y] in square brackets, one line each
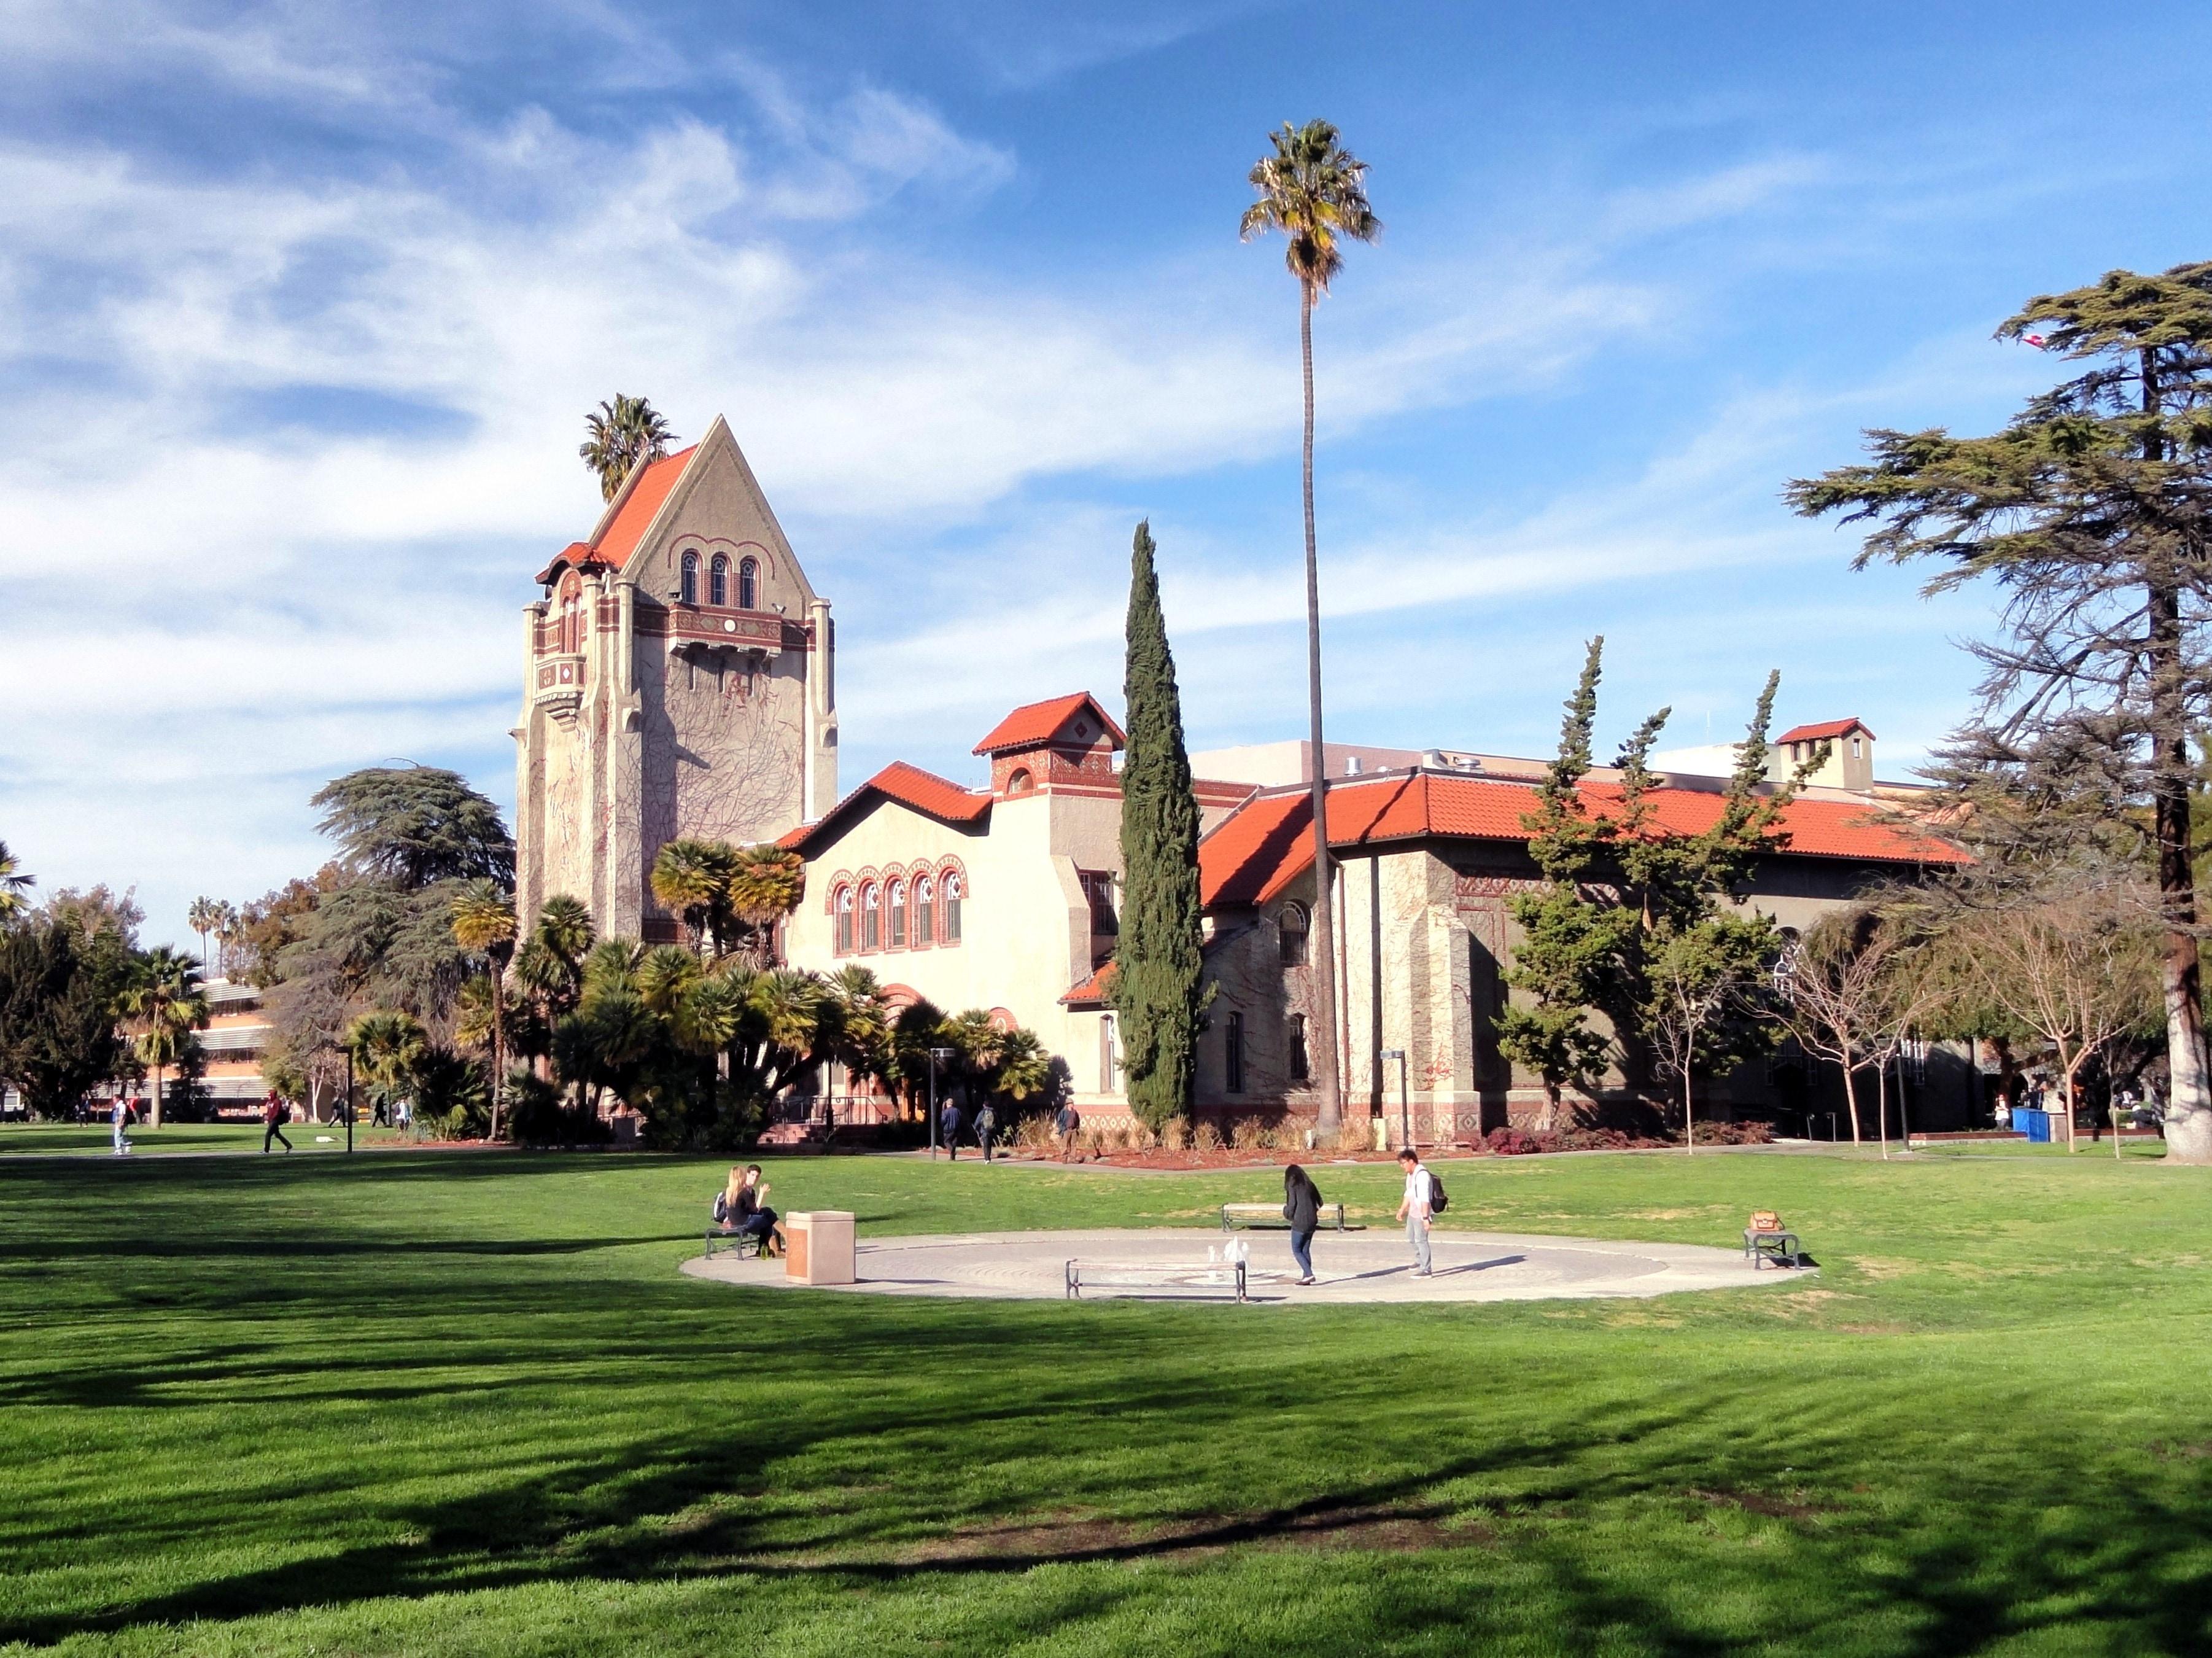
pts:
[948, 1125]
[1068, 1124]
[272, 1122]
[1302, 1208]
[987, 1128]
[117, 1119]
[1414, 1211]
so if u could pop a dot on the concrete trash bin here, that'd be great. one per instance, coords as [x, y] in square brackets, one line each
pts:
[820, 1246]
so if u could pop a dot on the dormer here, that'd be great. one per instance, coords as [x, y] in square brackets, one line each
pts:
[1067, 740]
[1850, 762]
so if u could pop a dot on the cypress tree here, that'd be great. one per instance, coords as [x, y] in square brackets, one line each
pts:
[1155, 977]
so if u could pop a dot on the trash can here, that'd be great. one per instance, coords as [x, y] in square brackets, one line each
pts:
[819, 1246]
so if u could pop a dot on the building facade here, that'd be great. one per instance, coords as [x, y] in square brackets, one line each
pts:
[679, 680]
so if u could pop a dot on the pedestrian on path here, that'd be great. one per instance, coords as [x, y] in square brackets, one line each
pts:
[272, 1122]
[1414, 1211]
[117, 1119]
[1067, 1123]
[948, 1125]
[1302, 1208]
[987, 1128]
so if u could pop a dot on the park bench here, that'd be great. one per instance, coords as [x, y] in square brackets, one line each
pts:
[1263, 1216]
[744, 1242]
[1780, 1248]
[1140, 1277]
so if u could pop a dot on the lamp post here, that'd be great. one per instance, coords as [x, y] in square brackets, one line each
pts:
[935, 1054]
[349, 1108]
[1405, 1105]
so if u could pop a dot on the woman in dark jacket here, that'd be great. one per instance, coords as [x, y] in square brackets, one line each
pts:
[1302, 1208]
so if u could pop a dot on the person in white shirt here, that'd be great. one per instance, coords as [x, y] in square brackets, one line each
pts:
[1414, 1211]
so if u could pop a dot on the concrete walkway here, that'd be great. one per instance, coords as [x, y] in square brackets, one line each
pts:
[1353, 1267]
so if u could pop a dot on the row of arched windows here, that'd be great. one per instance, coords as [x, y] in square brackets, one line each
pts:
[718, 581]
[899, 912]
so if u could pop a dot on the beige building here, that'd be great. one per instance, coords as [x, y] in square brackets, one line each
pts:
[236, 1036]
[1003, 897]
[678, 680]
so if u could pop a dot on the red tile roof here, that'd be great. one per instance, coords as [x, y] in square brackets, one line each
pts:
[1039, 722]
[1255, 852]
[638, 509]
[1826, 728]
[924, 791]
[1091, 992]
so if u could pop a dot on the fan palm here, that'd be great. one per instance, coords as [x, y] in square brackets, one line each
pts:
[621, 433]
[766, 883]
[485, 924]
[164, 999]
[1315, 191]
[229, 928]
[14, 883]
[386, 1045]
[692, 878]
[202, 918]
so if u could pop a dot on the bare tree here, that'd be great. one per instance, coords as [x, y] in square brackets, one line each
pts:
[2079, 966]
[1833, 993]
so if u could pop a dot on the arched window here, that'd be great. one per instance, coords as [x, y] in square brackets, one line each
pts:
[748, 585]
[925, 895]
[955, 889]
[1017, 781]
[718, 581]
[1290, 929]
[844, 910]
[898, 915]
[571, 626]
[690, 588]
[872, 918]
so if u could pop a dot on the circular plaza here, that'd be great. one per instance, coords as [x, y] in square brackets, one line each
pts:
[1187, 1264]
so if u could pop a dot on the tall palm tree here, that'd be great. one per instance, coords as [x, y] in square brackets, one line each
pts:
[485, 924]
[692, 877]
[229, 928]
[165, 1001]
[621, 433]
[14, 883]
[202, 919]
[765, 885]
[1315, 191]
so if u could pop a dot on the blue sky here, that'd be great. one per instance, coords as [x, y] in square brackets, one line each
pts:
[301, 306]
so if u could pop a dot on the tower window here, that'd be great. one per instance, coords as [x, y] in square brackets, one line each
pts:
[690, 583]
[872, 918]
[1098, 887]
[718, 581]
[1301, 1067]
[1290, 932]
[898, 915]
[844, 907]
[1017, 781]
[748, 585]
[925, 894]
[1233, 1054]
[955, 887]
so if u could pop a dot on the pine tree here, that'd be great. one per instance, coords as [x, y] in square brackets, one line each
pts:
[1156, 988]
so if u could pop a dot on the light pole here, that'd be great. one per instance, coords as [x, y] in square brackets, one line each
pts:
[935, 1054]
[1405, 1105]
[348, 1101]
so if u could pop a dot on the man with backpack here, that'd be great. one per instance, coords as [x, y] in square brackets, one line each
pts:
[272, 1122]
[1425, 1196]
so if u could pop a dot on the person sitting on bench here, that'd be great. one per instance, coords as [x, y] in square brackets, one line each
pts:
[750, 1215]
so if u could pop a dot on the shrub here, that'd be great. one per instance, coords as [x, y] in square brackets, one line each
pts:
[1174, 1135]
[1355, 1134]
[1249, 1134]
[1735, 1134]
[1206, 1138]
[1035, 1133]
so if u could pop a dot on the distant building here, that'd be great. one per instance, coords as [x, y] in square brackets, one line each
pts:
[237, 1036]
[677, 680]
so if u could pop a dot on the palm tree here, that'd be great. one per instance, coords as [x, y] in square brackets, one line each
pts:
[692, 877]
[165, 1001]
[202, 919]
[766, 884]
[386, 1045]
[485, 924]
[621, 434]
[1315, 191]
[229, 928]
[13, 883]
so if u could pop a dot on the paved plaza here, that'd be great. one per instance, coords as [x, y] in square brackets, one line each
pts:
[1362, 1267]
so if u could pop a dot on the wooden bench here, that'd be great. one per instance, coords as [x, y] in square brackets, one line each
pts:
[1209, 1278]
[744, 1242]
[1261, 1217]
[1780, 1248]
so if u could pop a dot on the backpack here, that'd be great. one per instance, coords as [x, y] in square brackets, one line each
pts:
[722, 1209]
[1437, 1201]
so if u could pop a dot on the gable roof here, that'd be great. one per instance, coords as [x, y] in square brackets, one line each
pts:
[910, 786]
[1039, 722]
[629, 515]
[1093, 991]
[1825, 729]
[1258, 850]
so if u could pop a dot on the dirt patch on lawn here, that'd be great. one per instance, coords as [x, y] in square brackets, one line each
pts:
[1764, 1502]
[1018, 1544]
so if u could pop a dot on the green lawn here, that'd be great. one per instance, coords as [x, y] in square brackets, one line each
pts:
[462, 1403]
